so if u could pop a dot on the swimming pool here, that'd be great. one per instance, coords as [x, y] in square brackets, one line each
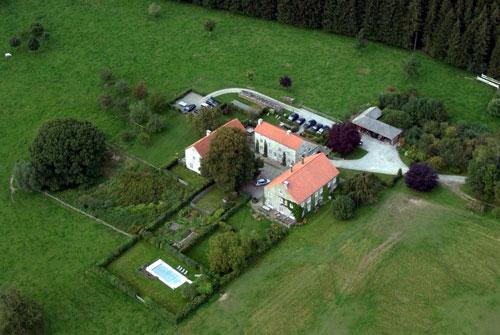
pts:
[168, 275]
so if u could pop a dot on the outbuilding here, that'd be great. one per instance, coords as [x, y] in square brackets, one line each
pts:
[368, 122]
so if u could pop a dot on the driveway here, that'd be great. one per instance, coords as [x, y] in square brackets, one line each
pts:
[269, 171]
[381, 158]
[307, 114]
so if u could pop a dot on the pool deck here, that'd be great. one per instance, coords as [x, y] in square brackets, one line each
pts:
[160, 262]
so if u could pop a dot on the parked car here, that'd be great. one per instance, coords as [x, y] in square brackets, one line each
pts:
[360, 142]
[189, 108]
[212, 102]
[205, 105]
[317, 127]
[262, 182]
[293, 117]
[323, 130]
[182, 103]
[310, 123]
[300, 121]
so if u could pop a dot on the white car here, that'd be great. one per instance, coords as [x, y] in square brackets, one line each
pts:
[262, 182]
[182, 104]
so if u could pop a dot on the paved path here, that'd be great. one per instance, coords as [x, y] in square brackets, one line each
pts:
[308, 115]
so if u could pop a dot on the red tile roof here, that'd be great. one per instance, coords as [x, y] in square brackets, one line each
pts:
[306, 178]
[279, 135]
[203, 144]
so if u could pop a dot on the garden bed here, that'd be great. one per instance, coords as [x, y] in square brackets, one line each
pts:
[131, 195]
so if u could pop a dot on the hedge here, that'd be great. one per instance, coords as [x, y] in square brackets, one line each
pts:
[118, 252]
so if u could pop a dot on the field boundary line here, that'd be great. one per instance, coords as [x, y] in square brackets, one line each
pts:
[65, 204]
[123, 152]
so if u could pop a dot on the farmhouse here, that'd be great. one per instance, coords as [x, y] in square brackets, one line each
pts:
[368, 122]
[196, 151]
[281, 145]
[303, 184]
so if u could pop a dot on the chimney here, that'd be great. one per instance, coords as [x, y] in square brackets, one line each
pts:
[259, 121]
[286, 184]
[302, 159]
[288, 132]
[208, 132]
[291, 168]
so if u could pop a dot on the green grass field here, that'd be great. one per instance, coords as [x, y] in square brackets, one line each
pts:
[211, 200]
[193, 179]
[142, 254]
[244, 221]
[440, 277]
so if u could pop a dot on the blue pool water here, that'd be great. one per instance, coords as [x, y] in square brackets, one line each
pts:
[167, 275]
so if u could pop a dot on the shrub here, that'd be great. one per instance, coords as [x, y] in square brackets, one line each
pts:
[286, 81]
[397, 118]
[106, 101]
[495, 212]
[127, 136]
[139, 112]
[157, 103]
[189, 291]
[155, 124]
[436, 162]
[144, 138]
[122, 88]
[226, 253]
[67, 153]
[140, 91]
[411, 67]
[343, 207]
[15, 42]
[210, 26]
[107, 76]
[421, 177]
[18, 314]
[476, 207]
[33, 44]
[154, 10]
[37, 29]
[494, 107]
[122, 104]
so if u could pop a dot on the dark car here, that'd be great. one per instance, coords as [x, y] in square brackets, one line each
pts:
[189, 108]
[212, 102]
[324, 130]
[317, 127]
[300, 121]
[293, 117]
[310, 124]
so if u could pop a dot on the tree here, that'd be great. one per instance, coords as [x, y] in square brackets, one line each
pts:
[483, 172]
[18, 314]
[157, 103]
[106, 101]
[154, 10]
[156, 124]
[140, 91]
[283, 159]
[229, 161]
[397, 118]
[494, 66]
[37, 29]
[286, 81]
[15, 42]
[67, 153]
[343, 138]
[33, 44]
[257, 147]
[494, 107]
[24, 177]
[210, 26]
[226, 252]
[265, 149]
[411, 67]
[360, 41]
[122, 88]
[421, 177]
[205, 119]
[363, 188]
[343, 207]
[139, 112]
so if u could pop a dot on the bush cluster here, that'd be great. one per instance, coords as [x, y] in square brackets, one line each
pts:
[33, 37]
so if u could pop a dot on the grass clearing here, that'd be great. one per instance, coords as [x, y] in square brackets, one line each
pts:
[211, 200]
[193, 179]
[244, 221]
[127, 267]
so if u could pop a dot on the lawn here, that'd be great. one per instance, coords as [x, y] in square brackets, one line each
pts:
[435, 271]
[357, 153]
[199, 251]
[244, 222]
[211, 200]
[47, 250]
[143, 253]
[192, 178]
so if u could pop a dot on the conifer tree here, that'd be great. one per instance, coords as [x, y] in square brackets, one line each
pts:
[441, 39]
[494, 67]
[481, 45]
[413, 24]
[456, 55]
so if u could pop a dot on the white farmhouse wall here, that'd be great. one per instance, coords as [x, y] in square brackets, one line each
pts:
[193, 160]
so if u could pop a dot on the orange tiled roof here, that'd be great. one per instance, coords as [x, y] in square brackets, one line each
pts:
[279, 135]
[306, 178]
[203, 144]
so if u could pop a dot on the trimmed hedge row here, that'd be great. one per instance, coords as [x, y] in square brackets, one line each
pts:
[118, 252]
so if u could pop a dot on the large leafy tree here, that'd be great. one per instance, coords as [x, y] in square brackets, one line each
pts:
[421, 177]
[205, 119]
[343, 138]
[229, 161]
[18, 314]
[363, 188]
[67, 153]
[226, 252]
